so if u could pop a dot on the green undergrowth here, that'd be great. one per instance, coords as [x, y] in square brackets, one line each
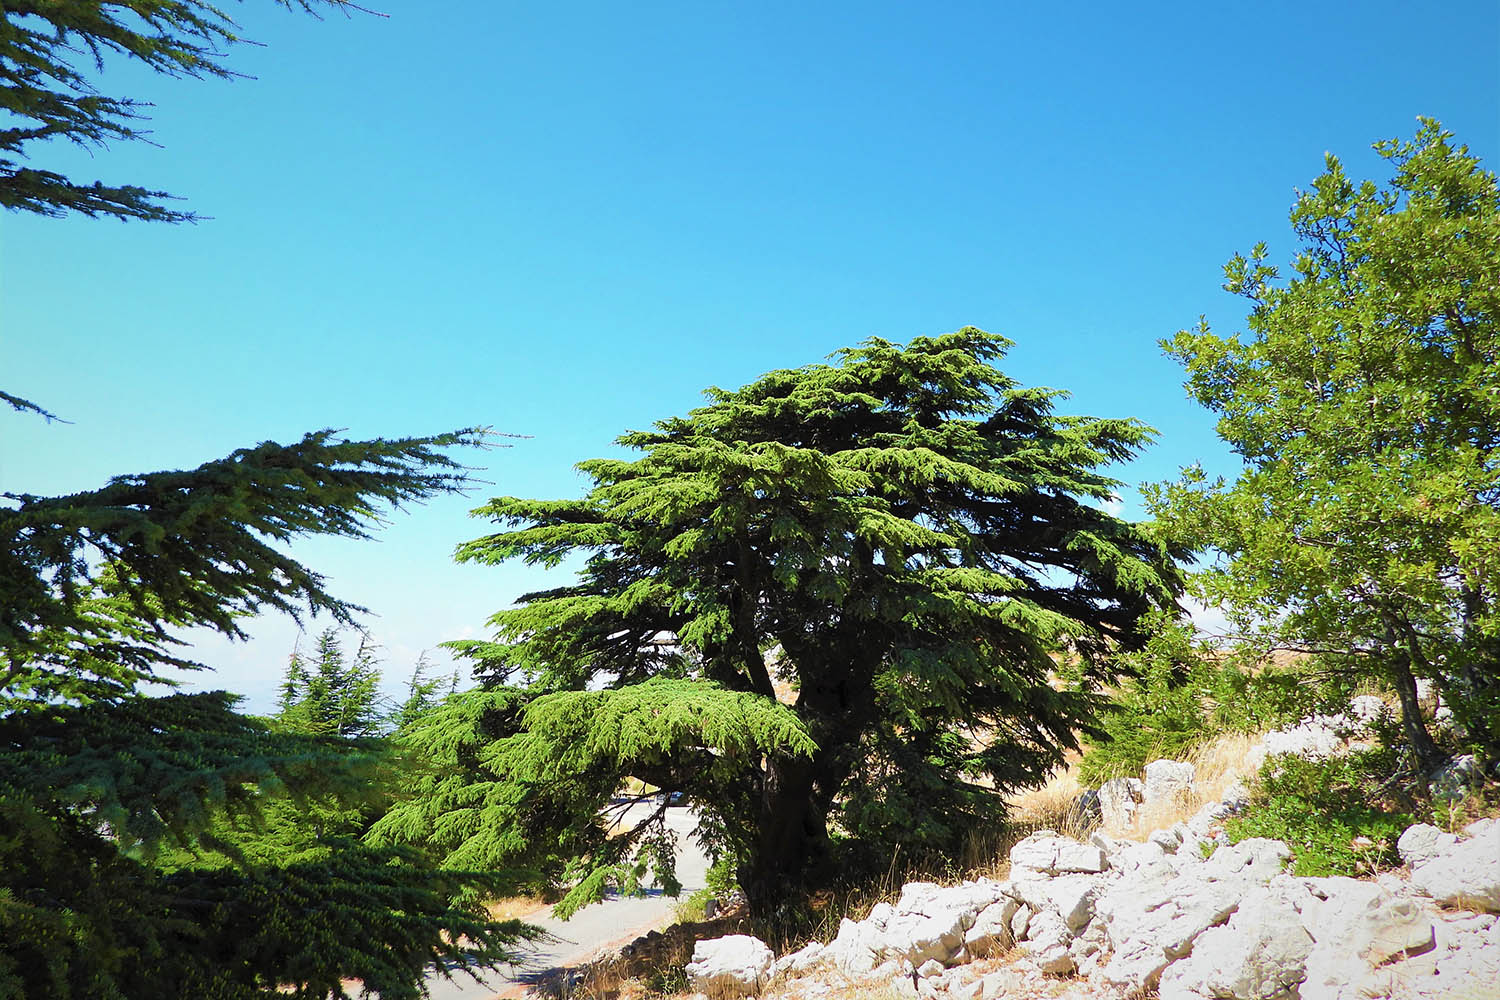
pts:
[1181, 695]
[1340, 817]
[693, 908]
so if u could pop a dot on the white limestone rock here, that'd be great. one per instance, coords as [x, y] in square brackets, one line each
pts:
[902, 988]
[1466, 874]
[1168, 840]
[1154, 914]
[1151, 927]
[1020, 921]
[732, 966]
[1256, 858]
[1260, 954]
[1465, 964]
[1109, 845]
[1368, 709]
[1422, 842]
[930, 922]
[1479, 826]
[966, 991]
[1167, 781]
[1317, 738]
[800, 961]
[1045, 851]
[853, 951]
[1072, 897]
[991, 929]
[1138, 856]
[1456, 778]
[1208, 822]
[1192, 847]
[1357, 927]
[1069, 896]
[1119, 800]
[1235, 797]
[1047, 941]
[1001, 983]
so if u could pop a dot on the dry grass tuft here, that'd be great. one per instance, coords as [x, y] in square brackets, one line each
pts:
[1216, 767]
[518, 907]
[1051, 806]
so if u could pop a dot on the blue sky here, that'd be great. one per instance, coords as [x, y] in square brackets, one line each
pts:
[564, 220]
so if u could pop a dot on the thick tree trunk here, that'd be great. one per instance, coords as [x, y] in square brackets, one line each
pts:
[791, 852]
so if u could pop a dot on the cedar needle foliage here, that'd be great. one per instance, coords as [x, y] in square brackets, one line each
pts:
[902, 542]
[125, 871]
[49, 53]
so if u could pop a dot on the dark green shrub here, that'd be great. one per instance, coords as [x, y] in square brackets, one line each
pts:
[1181, 694]
[1159, 711]
[1319, 808]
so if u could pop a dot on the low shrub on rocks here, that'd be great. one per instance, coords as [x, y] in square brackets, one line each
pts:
[1338, 816]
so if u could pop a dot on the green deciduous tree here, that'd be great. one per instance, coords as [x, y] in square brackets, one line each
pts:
[899, 544]
[1365, 405]
[48, 51]
[113, 881]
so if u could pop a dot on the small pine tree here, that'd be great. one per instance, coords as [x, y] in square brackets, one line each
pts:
[293, 684]
[421, 693]
[336, 696]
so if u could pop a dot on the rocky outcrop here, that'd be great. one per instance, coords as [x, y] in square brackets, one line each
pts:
[1182, 910]
[1128, 916]
[1463, 872]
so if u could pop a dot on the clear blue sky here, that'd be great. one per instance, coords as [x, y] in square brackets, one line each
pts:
[566, 219]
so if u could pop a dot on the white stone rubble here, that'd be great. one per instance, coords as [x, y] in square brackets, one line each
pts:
[733, 966]
[1128, 916]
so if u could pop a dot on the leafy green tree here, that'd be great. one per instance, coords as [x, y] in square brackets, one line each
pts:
[902, 541]
[1365, 405]
[103, 789]
[1184, 690]
[45, 52]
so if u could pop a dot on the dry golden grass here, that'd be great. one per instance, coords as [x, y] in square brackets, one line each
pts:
[1050, 807]
[517, 907]
[1216, 766]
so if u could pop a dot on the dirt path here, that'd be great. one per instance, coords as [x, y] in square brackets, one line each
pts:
[593, 930]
